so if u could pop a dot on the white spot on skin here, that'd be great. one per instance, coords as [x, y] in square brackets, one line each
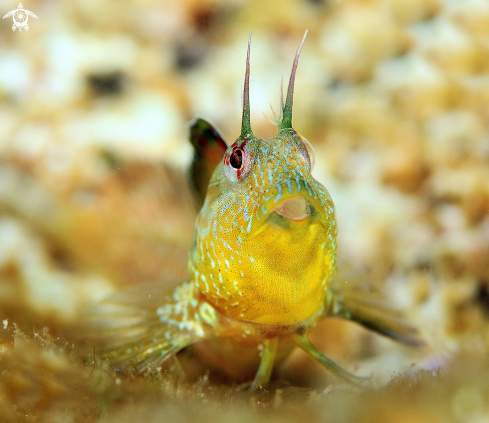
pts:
[289, 186]
[248, 229]
[205, 282]
[201, 251]
[270, 176]
[298, 182]
[279, 195]
[227, 245]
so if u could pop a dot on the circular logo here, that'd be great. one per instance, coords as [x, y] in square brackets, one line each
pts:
[20, 17]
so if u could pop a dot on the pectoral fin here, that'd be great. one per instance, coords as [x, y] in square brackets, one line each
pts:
[349, 301]
[140, 329]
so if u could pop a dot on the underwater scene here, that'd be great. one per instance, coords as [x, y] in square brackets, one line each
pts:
[174, 247]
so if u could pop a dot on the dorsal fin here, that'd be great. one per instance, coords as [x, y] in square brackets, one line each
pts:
[287, 109]
[209, 148]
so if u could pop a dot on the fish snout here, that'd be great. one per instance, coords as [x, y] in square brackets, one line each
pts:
[290, 200]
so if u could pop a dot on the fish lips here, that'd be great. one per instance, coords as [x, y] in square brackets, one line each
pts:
[289, 208]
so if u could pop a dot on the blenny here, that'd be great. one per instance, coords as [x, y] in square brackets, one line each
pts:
[262, 266]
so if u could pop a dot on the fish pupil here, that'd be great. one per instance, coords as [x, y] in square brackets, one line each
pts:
[236, 159]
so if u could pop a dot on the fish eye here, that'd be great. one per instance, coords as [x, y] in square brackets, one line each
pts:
[237, 162]
[236, 159]
[308, 154]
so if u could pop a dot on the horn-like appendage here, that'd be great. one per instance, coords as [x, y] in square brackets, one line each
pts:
[287, 110]
[245, 123]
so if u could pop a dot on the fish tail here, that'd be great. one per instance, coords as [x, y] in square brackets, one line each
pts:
[371, 310]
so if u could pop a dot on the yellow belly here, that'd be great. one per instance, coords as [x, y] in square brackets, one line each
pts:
[279, 279]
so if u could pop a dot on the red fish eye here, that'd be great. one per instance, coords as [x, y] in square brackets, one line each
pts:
[236, 159]
[238, 162]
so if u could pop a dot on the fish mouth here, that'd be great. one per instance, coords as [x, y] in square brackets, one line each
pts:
[296, 208]
[286, 208]
[295, 213]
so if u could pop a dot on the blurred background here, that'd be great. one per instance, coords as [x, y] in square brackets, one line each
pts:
[95, 100]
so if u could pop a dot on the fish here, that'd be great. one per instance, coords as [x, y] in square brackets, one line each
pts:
[262, 265]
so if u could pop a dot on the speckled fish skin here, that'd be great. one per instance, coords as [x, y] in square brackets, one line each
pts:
[251, 263]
